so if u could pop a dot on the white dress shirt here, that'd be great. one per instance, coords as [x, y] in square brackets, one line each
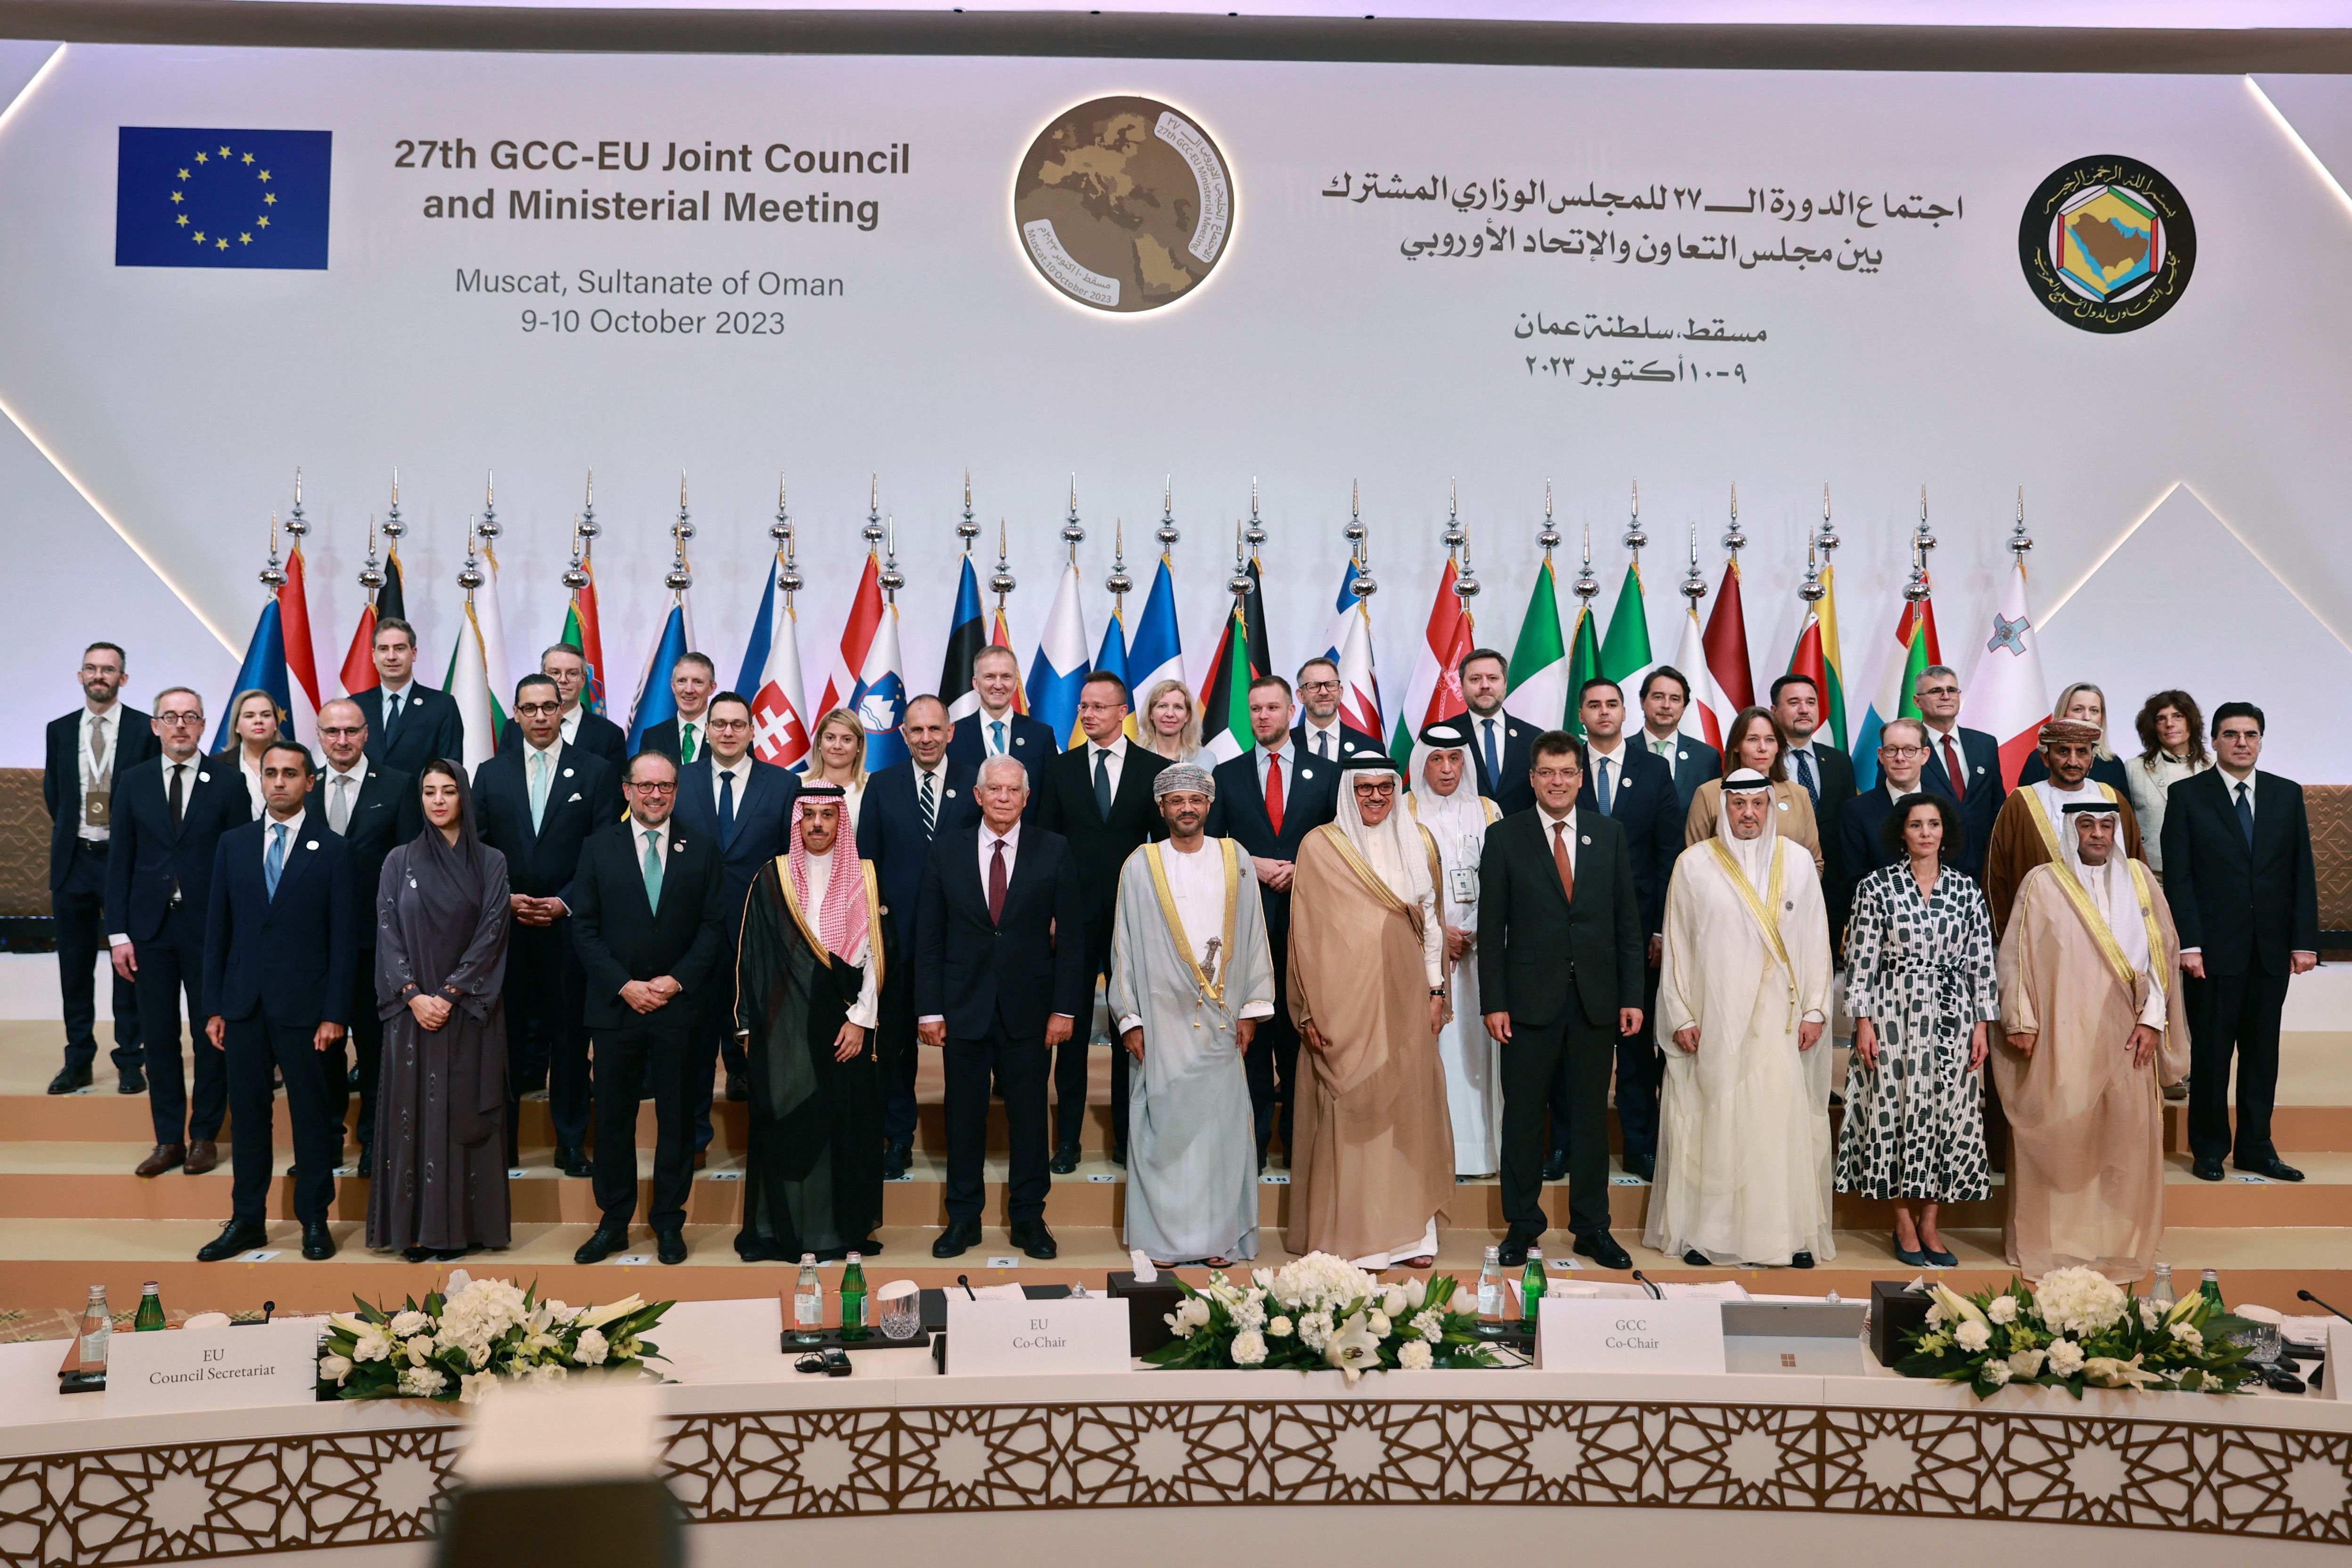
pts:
[252, 772]
[271, 823]
[741, 773]
[1812, 754]
[1116, 762]
[1544, 815]
[1196, 881]
[1265, 755]
[638, 831]
[864, 1010]
[1333, 748]
[940, 791]
[1669, 745]
[530, 762]
[93, 769]
[990, 746]
[333, 780]
[570, 726]
[393, 699]
[988, 843]
[1615, 762]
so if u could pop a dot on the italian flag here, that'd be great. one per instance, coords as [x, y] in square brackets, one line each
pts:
[1583, 664]
[1625, 653]
[1538, 677]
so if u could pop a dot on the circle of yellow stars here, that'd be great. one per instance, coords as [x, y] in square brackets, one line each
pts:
[233, 161]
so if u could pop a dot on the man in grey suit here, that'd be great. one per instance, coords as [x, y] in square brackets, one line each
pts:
[1666, 696]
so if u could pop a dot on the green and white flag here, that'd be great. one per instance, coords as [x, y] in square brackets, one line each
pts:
[1538, 674]
[1625, 653]
[468, 683]
[1583, 664]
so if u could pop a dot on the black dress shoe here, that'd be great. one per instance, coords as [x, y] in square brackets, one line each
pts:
[317, 1241]
[573, 1163]
[1801, 1260]
[669, 1245]
[1066, 1160]
[739, 1088]
[1643, 1165]
[608, 1240]
[1603, 1248]
[960, 1237]
[1696, 1259]
[1513, 1252]
[2206, 1169]
[133, 1080]
[68, 1080]
[898, 1158]
[1118, 1156]
[1556, 1168]
[366, 1166]
[1031, 1238]
[237, 1236]
[417, 1253]
[2277, 1169]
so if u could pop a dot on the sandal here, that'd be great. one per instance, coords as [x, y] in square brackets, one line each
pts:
[1424, 1261]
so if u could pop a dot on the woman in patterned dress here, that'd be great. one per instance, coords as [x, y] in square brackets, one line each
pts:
[1919, 984]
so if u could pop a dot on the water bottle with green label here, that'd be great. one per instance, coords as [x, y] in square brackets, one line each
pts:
[1531, 1290]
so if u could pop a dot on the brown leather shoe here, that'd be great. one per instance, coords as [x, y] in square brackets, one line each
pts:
[165, 1158]
[203, 1155]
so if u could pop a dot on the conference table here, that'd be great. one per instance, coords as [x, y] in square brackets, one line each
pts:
[1148, 1466]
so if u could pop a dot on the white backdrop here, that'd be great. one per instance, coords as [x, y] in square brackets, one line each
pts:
[178, 403]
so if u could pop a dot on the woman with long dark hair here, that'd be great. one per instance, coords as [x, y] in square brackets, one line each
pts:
[2172, 747]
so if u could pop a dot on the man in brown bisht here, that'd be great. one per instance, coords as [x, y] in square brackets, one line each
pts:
[2091, 1007]
[2025, 834]
[1367, 993]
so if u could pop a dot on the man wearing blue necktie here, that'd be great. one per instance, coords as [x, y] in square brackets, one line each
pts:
[1824, 772]
[999, 729]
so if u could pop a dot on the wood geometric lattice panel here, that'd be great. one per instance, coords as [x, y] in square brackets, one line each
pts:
[200, 1501]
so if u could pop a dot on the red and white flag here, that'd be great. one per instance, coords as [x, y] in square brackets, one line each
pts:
[1726, 646]
[856, 639]
[2006, 697]
[301, 662]
[780, 730]
[1705, 715]
[1435, 690]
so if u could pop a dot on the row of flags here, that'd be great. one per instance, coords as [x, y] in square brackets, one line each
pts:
[1548, 666]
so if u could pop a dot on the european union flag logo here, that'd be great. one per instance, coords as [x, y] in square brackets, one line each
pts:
[221, 198]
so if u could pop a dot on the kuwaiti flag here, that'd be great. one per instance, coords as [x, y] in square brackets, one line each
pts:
[1350, 650]
[1538, 674]
[654, 701]
[1239, 658]
[1059, 668]
[1911, 652]
[479, 709]
[772, 677]
[2006, 697]
[1705, 715]
[1156, 653]
[967, 635]
[1434, 691]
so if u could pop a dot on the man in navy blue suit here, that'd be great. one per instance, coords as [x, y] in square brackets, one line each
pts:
[906, 807]
[1901, 757]
[999, 981]
[745, 806]
[169, 813]
[1268, 800]
[537, 806]
[1499, 744]
[996, 731]
[1320, 733]
[87, 748]
[279, 950]
[1962, 764]
[1665, 697]
[591, 733]
[409, 722]
[1633, 788]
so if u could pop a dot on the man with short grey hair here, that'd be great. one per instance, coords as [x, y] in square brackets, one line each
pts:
[583, 727]
[1962, 764]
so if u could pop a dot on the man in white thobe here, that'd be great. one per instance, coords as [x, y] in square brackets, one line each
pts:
[1446, 800]
[1191, 976]
[1744, 1148]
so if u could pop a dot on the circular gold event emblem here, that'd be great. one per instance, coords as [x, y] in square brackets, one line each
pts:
[1123, 204]
[2107, 244]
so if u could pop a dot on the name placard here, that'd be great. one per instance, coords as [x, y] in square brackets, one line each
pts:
[992, 1339]
[1609, 1335]
[214, 1369]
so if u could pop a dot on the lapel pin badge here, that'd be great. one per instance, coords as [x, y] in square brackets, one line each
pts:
[310, 843]
[567, 772]
[204, 778]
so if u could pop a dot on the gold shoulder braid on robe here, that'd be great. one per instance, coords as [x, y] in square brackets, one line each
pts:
[1210, 983]
[1766, 911]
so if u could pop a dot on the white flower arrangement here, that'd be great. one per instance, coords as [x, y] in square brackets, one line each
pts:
[2076, 1330]
[1321, 1312]
[458, 1346]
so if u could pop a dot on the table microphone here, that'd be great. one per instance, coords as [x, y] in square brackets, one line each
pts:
[965, 1280]
[1644, 1281]
[2307, 1295]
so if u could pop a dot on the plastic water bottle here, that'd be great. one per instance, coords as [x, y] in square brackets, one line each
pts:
[97, 1333]
[808, 1302]
[1531, 1290]
[1490, 1292]
[853, 1299]
[2161, 1293]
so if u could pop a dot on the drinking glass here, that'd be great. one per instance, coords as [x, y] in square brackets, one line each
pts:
[901, 1316]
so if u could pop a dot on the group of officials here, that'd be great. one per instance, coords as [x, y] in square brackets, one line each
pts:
[1397, 975]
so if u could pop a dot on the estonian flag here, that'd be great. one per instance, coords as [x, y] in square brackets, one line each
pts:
[221, 198]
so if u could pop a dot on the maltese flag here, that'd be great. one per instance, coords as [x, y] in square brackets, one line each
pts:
[2006, 697]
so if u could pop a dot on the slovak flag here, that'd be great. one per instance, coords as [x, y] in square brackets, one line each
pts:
[866, 676]
[772, 674]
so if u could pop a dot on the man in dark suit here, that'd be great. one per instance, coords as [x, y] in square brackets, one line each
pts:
[168, 815]
[2239, 875]
[997, 730]
[906, 807]
[1268, 800]
[1901, 757]
[693, 679]
[1824, 774]
[1321, 734]
[409, 722]
[1499, 742]
[999, 981]
[1098, 797]
[649, 916]
[1666, 696]
[1634, 789]
[591, 733]
[279, 951]
[373, 810]
[745, 806]
[1555, 882]
[537, 806]
[1962, 764]
[87, 748]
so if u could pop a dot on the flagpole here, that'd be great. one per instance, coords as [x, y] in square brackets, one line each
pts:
[967, 528]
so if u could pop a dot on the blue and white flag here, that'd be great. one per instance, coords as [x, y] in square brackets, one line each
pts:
[655, 701]
[1156, 653]
[1060, 667]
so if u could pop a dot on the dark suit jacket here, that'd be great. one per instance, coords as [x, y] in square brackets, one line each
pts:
[1981, 755]
[388, 813]
[1695, 761]
[147, 857]
[1065, 804]
[1010, 975]
[2249, 910]
[585, 796]
[664, 737]
[1860, 852]
[620, 938]
[1836, 781]
[1527, 924]
[1310, 797]
[1351, 741]
[287, 957]
[599, 737]
[1032, 740]
[134, 742]
[2108, 771]
[763, 825]
[891, 832]
[1646, 807]
[429, 727]
[1516, 739]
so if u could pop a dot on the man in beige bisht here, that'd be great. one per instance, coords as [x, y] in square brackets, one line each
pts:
[2090, 1003]
[1744, 1148]
[1368, 994]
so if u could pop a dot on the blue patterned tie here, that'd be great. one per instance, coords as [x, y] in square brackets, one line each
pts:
[273, 865]
[1805, 774]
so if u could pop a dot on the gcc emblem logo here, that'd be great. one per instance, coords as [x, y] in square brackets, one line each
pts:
[2107, 244]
